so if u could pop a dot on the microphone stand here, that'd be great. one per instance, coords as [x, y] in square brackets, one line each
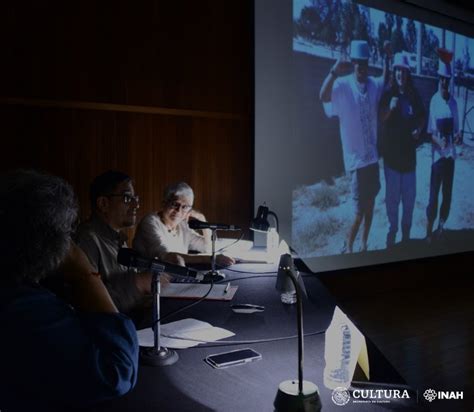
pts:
[300, 395]
[214, 274]
[157, 355]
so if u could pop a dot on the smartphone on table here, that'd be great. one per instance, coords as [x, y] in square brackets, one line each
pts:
[235, 357]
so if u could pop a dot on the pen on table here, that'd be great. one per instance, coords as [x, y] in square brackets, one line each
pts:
[227, 288]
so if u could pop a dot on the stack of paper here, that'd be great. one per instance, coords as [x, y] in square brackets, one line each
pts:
[184, 333]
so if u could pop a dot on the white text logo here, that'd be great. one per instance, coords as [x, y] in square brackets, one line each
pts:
[430, 395]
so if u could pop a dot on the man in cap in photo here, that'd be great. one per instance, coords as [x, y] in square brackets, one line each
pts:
[443, 125]
[354, 99]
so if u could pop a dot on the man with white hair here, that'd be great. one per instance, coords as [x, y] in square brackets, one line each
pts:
[166, 234]
[443, 125]
[354, 100]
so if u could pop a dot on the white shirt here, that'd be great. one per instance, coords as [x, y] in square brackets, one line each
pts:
[357, 114]
[154, 239]
[442, 109]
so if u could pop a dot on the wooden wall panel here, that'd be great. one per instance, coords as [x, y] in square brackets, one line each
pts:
[211, 155]
[192, 54]
[175, 78]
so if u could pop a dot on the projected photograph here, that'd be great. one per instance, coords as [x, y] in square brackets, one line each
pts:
[385, 103]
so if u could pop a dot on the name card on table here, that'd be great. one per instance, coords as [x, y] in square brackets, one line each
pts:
[345, 346]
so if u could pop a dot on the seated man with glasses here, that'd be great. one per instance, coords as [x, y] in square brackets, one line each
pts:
[166, 234]
[114, 208]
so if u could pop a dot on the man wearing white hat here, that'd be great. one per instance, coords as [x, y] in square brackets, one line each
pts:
[402, 118]
[354, 100]
[443, 125]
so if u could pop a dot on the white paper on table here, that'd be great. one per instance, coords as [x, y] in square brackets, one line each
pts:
[243, 251]
[190, 332]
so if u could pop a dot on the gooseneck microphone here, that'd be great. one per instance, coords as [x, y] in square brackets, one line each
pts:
[198, 224]
[131, 258]
[156, 355]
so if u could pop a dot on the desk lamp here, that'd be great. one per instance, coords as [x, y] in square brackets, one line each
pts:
[260, 222]
[295, 395]
[261, 226]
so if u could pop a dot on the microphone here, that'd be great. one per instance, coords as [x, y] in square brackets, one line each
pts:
[198, 224]
[131, 258]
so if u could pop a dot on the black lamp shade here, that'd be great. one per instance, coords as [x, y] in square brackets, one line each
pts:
[260, 222]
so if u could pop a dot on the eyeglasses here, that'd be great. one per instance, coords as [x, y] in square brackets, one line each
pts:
[126, 197]
[178, 206]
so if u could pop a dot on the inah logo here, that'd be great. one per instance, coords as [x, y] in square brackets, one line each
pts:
[430, 395]
[340, 396]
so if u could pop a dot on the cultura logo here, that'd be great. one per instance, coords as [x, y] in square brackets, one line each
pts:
[430, 395]
[340, 396]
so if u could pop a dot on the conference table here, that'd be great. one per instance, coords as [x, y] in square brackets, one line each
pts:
[192, 385]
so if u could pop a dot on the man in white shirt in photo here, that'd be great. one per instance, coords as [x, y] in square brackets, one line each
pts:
[354, 99]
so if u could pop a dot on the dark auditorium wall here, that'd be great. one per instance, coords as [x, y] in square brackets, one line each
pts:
[159, 89]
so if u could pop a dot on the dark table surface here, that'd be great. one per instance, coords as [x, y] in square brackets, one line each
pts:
[192, 385]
